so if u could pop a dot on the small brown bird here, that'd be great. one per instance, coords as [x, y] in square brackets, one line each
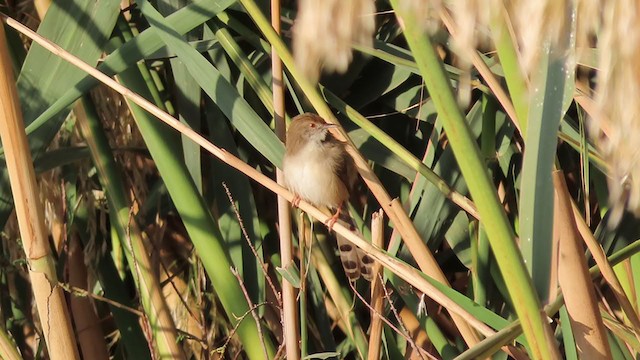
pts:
[318, 169]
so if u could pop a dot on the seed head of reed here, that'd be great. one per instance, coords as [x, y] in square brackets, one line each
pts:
[325, 31]
[617, 131]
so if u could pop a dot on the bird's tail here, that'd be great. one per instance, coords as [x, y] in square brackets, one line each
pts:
[355, 262]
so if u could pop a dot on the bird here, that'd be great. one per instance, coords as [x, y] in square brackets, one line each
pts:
[318, 169]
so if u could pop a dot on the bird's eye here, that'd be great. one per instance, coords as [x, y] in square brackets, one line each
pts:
[312, 125]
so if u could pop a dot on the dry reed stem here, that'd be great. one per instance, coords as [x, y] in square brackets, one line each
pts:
[50, 301]
[342, 309]
[304, 238]
[575, 282]
[290, 316]
[377, 301]
[392, 208]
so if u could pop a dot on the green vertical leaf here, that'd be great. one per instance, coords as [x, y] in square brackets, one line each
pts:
[552, 83]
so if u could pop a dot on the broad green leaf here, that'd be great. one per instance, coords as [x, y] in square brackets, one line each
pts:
[187, 99]
[552, 83]
[81, 27]
[218, 89]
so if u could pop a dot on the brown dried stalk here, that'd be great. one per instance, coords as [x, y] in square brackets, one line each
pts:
[50, 301]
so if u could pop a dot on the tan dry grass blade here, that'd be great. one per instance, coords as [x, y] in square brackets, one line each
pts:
[418, 335]
[575, 282]
[607, 271]
[51, 304]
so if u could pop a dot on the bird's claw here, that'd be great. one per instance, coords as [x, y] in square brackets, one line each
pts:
[332, 220]
[295, 202]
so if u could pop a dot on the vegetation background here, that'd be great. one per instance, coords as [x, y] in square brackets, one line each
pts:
[498, 137]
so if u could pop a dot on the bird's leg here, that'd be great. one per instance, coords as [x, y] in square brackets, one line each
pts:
[296, 201]
[332, 220]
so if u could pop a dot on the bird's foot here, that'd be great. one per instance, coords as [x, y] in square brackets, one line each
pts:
[295, 202]
[332, 220]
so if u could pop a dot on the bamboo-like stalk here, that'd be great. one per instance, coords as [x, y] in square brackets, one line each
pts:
[304, 238]
[377, 298]
[575, 282]
[50, 301]
[289, 307]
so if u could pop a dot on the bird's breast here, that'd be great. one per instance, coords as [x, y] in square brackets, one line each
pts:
[312, 176]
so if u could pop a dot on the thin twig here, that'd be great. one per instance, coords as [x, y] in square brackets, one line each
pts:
[79, 292]
[400, 322]
[239, 320]
[253, 312]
